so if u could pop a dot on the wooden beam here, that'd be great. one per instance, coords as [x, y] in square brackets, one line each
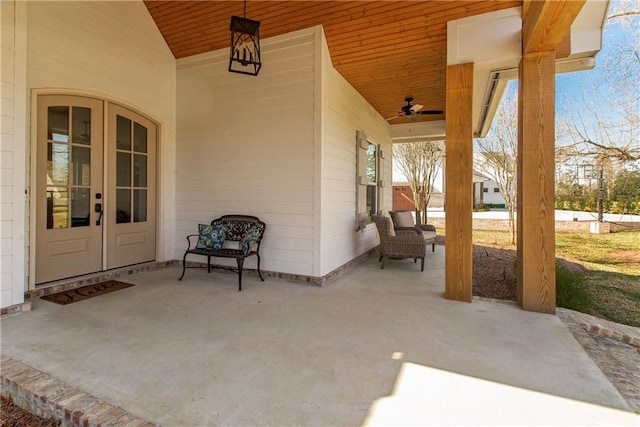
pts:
[536, 288]
[546, 23]
[458, 182]
[563, 49]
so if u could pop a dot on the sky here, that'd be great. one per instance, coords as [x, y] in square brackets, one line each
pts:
[621, 41]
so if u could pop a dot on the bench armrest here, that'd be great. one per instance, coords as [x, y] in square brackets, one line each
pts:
[189, 240]
[427, 227]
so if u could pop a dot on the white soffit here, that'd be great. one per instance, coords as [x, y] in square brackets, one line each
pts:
[418, 131]
[492, 41]
[586, 30]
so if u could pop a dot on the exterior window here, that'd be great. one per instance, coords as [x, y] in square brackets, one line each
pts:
[372, 179]
[589, 172]
[369, 197]
[485, 190]
[496, 190]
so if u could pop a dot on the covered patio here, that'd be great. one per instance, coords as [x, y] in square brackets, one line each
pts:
[287, 146]
[377, 347]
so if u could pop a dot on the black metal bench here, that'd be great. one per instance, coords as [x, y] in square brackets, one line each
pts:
[236, 227]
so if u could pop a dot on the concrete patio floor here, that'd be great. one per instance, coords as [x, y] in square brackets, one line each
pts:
[375, 347]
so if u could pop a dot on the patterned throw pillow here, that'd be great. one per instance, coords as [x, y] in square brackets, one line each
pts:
[250, 240]
[210, 236]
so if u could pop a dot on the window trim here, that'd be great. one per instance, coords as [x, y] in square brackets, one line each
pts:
[363, 184]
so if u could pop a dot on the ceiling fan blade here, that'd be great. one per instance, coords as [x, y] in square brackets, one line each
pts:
[415, 107]
[430, 112]
[391, 118]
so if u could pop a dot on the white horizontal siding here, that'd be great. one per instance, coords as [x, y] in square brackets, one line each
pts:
[113, 50]
[245, 145]
[344, 111]
[12, 155]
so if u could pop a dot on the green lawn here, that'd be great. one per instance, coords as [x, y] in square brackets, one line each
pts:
[611, 286]
[612, 283]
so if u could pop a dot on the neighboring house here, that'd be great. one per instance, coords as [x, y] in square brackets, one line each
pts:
[96, 110]
[491, 194]
[403, 198]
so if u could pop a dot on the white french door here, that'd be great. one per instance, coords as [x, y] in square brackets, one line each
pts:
[95, 199]
[131, 230]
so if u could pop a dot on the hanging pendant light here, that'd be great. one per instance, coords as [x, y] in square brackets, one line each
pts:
[245, 45]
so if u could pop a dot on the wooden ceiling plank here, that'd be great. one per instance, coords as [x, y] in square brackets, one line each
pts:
[369, 47]
[209, 14]
[222, 40]
[386, 49]
[379, 53]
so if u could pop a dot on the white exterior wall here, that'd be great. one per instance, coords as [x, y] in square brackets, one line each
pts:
[491, 196]
[344, 111]
[246, 146]
[111, 50]
[115, 50]
[12, 153]
[280, 146]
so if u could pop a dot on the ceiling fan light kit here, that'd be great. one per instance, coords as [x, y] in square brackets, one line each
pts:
[245, 45]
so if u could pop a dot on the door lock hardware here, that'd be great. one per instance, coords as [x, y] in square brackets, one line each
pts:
[98, 209]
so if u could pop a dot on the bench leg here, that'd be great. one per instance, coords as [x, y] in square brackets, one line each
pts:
[383, 259]
[422, 264]
[184, 265]
[259, 272]
[208, 264]
[240, 263]
[433, 247]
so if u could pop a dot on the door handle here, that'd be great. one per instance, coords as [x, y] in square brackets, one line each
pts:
[98, 209]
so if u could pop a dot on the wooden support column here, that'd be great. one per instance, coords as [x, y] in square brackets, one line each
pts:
[545, 28]
[459, 183]
[536, 139]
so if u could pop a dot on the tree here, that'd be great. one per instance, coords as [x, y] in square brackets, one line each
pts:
[496, 154]
[626, 16]
[605, 129]
[419, 162]
[626, 191]
[603, 132]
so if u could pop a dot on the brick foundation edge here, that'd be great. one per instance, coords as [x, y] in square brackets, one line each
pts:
[65, 285]
[46, 397]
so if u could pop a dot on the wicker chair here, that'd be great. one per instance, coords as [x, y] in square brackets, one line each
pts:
[400, 243]
[403, 220]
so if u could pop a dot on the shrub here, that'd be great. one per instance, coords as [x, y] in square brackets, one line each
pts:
[495, 205]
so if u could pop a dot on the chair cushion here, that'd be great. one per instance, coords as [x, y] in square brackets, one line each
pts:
[429, 236]
[210, 236]
[404, 219]
[250, 240]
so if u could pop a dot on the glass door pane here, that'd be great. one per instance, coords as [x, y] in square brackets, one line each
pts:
[131, 171]
[68, 166]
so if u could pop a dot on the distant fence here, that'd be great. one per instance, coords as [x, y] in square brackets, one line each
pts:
[573, 226]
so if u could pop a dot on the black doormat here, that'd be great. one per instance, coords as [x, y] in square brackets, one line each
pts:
[86, 292]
